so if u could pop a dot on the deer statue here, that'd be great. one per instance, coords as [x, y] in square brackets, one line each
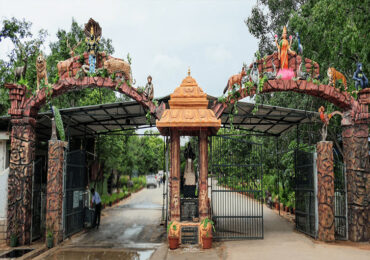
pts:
[20, 72]
[64, 66]
[235, 79]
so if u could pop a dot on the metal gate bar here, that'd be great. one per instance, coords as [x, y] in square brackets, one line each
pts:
[75, 183]
[38, 201]
[306, 193]
[340, 201]
[236, 188]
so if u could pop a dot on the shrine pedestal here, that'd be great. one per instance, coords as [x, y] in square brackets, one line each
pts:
[188, 116]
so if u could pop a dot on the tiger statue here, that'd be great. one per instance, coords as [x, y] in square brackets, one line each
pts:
[335, 75]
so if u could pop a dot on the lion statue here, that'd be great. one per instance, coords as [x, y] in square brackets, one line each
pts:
[41, 70]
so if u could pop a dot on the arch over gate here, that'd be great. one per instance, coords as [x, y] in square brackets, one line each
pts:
[266, 65]
[23, 112]
[33, 104]
[355, 129]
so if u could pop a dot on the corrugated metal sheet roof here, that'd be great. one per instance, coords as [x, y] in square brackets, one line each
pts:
[108, 118]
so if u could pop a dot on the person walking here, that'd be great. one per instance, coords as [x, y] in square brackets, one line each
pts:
[97, 201]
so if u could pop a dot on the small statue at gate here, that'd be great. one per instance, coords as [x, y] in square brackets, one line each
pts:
[334, 76]
[149, 89]
[235, 79]
[189, 174]
[360, 78]
[41, 70]
[325, 118]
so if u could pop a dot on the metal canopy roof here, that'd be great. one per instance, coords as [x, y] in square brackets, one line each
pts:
[107, 118]
[267, 119]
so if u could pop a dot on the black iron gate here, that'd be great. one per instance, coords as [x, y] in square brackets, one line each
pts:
[236, 187]
[305, 192]
[75, 188]
[340, 200]
[38, 200]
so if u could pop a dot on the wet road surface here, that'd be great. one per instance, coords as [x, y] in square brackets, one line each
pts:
[130, 230]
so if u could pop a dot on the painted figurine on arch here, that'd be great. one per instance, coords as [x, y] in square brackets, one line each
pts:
[283, 51]
[93, 34]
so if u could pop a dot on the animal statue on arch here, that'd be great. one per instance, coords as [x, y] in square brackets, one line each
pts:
[41, 70]
[235, 79]
[334, 76]
[325, 118]
[25, 51]
[65, 66]
[271, 74]
[360, 78]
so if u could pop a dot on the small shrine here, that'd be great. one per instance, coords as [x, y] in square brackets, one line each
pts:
[188, 115]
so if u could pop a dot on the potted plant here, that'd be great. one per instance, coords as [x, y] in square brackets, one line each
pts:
[173, 235]
[49, 238]
[13, 240]
[206, 230]
[14, 234]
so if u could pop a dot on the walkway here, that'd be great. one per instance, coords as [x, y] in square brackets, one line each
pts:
[283, 242]
[130, 230]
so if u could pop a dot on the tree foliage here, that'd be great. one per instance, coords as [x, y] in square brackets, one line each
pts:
[27, 46]
[131, 153]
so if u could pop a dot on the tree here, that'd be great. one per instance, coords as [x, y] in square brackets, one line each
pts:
[268, 18]
[25, 50]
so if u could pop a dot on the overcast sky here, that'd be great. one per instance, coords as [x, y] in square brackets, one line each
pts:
[163, 38]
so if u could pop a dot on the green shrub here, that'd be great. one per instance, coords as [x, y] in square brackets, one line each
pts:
[123, 180]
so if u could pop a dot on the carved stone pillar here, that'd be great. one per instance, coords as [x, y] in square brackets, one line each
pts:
[356, 158]
[203, 176]
[175, 176]
[325, 191]
[54, 189]
[20, 179]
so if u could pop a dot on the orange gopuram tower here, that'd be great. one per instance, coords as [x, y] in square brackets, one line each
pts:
[188, 115]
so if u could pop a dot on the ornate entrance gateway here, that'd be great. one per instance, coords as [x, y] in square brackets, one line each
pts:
[236, 188]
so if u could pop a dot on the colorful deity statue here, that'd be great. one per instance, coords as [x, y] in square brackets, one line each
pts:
[284, 49]
[93, 34]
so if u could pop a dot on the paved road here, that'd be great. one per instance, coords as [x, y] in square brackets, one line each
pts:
[132, 224]
[130, 230]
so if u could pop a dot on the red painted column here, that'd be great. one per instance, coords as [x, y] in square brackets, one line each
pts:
[325, 191]
[54, 189]
[203, 176]
[175, 176]
[20, 179]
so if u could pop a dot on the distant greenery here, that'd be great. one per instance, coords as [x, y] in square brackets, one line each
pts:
[141, 154]
[138, 183]
[276, 167]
